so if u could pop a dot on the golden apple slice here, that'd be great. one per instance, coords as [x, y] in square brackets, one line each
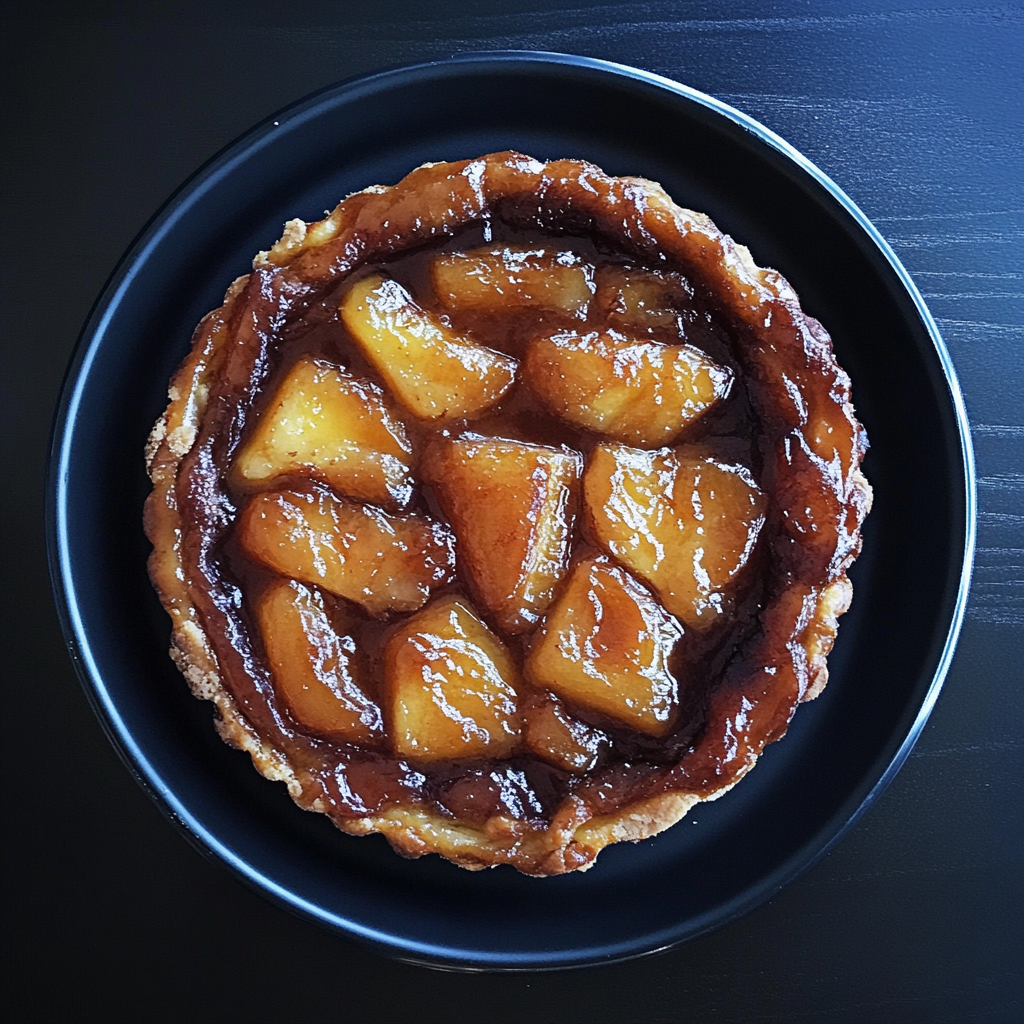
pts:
[503, 278]
[686, 524]
[553, 734]
[434, 372]
[640, 392]
[451, 687]
[384, 563]
[512, 506]
[325, 424]
[313, 665]
[629, 297]
[605, 646]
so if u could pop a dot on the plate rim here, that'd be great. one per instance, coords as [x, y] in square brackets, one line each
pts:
[104, 706]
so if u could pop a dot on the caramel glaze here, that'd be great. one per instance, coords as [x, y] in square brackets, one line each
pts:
[788, 417]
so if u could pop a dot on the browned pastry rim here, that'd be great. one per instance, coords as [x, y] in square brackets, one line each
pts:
[813, 449]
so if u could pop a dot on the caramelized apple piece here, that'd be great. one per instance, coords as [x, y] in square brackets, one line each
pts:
[512, 506]
[383, 562]
[553, 734]
[686, 524]
[641, 392]
[630, 298]
[325, 424]
[508, 277]
[432, 371]
[313, 664]
[451, 687]
[605, 646]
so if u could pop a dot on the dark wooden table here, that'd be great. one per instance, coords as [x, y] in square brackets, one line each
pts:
[915, 109]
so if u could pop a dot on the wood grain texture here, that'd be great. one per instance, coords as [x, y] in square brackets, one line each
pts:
[915, 109]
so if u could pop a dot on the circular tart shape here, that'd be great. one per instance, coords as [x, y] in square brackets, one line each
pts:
[595, 780]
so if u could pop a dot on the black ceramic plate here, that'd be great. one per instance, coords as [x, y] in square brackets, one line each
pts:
[910, 583]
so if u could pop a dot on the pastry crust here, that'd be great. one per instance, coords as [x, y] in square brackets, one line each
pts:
[801, 397]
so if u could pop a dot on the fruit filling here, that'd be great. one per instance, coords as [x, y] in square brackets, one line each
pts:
[324, 424]
[434, 372]
[505, 456]
[688, 525]
[607, 646]
[314, 663]
[634, 390]
[512, 507]
[451, 687]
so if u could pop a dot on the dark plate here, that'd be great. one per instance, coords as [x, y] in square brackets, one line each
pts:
[911, 581]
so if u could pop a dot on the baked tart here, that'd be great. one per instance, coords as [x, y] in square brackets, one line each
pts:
[506, 511]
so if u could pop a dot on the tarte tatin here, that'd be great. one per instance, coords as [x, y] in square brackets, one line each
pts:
[506, 511]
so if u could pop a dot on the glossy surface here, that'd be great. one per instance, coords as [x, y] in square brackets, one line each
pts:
[451, 687]
[502, 280]
[687, 525]
[641, 392]
[433, 372]
[513, 509]
[635, 299]
[325, 424]
[912, 352]
[315, 664]
[552, 733]
[358, 552]
[607, 645]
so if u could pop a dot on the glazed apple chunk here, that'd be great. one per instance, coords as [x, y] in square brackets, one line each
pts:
[512, 506]
[452, 687]
[606, 645]
[506, 278]
[633, 298]
[685, 523]
[313, 664]
[383, 562]
[434, 372]
[634, 390]
[553, 734]
[325, 424]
